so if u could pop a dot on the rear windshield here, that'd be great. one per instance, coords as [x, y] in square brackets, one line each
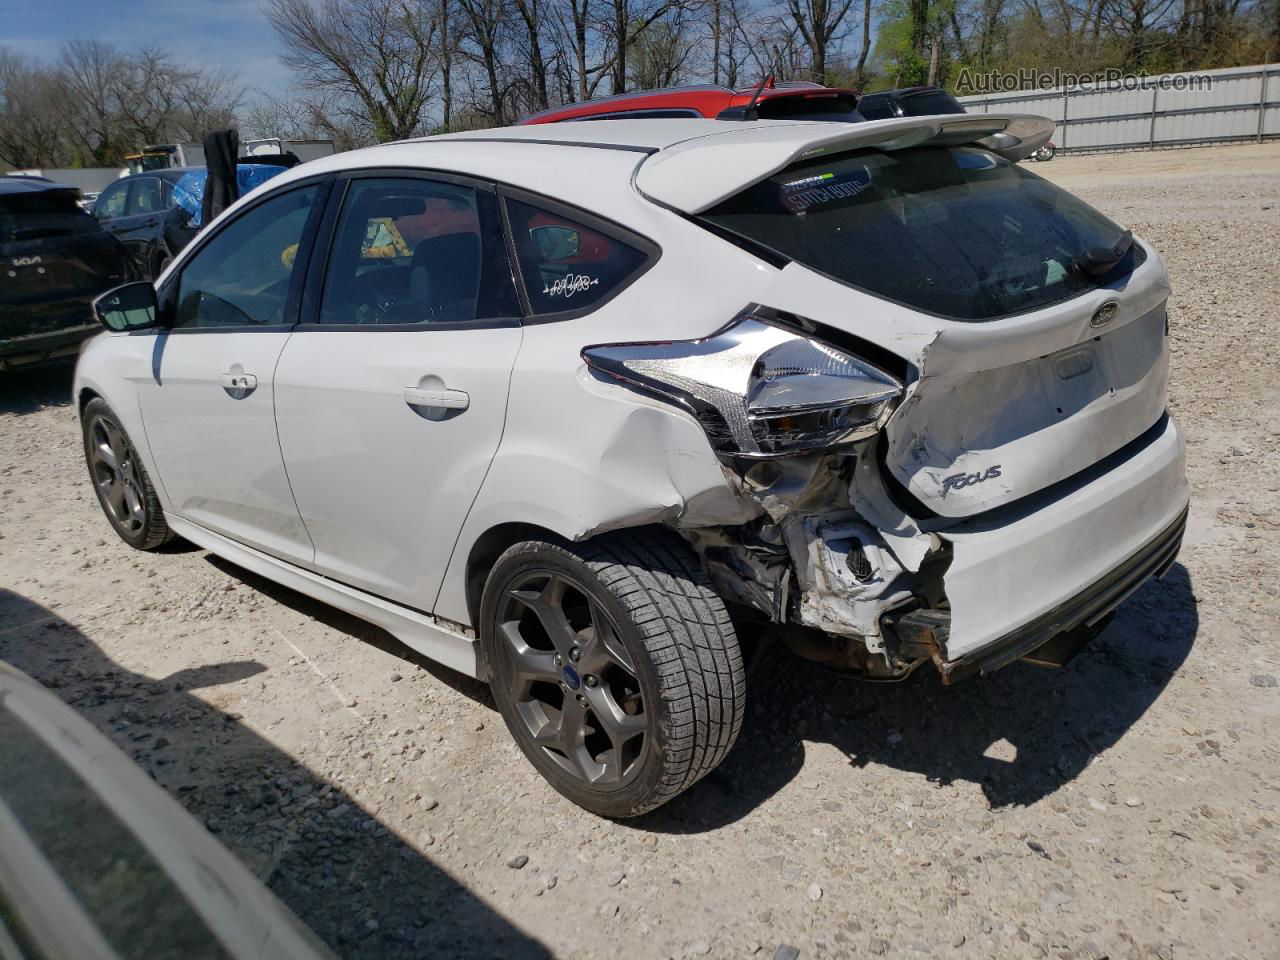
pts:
[953, 231]
[825, 107]
[930, 103]
[52, 213]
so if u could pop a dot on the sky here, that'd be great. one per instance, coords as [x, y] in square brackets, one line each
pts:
[200, 33]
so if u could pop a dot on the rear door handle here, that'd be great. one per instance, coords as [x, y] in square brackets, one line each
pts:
[239, 385]
[442, 398]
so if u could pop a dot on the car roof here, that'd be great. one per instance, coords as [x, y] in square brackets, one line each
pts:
[643, 135]
[164, 173]
[12, 185]
[904, 92]
[686, 164]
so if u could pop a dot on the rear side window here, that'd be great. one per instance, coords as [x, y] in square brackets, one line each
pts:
[52, 213]
[417, 251]
[953, 231]
[568, 265]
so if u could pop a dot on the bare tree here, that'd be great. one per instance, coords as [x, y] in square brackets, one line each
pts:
[531, 15]
[89, 79]
[579, 34]
[660, 54]
[447, 42]
[208, 100]
[380, 53]
[821, 24]
[628, 22]
[487, 22]
[860, 72]
[313, 117]
[29, 131]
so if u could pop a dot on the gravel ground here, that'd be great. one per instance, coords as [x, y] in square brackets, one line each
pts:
[1124, 807]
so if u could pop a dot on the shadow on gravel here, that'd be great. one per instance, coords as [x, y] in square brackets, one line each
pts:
[356, 884]
[362, 630]
[28, 390]
[1056, 720]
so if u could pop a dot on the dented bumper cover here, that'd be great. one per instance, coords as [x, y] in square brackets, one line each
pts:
[1014, 570]
[1082, 611]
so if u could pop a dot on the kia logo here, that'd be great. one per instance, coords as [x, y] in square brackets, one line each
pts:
[1104, 314]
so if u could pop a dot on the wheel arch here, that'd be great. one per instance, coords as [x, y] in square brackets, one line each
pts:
[85, 396]
[485, 551]
[495, 541]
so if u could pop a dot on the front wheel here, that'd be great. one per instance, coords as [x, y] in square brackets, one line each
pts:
[614, 665]
[124, 490]
[1047, 152]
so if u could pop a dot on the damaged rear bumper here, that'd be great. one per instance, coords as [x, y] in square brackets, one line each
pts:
[1058, 566]
[1077, 616]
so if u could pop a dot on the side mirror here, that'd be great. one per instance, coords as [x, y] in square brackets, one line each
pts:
[555, 242]
[130, 307]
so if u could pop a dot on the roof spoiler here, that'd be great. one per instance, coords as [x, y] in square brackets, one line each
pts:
[696, 174]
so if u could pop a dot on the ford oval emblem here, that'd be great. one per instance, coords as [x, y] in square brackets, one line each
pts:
[571, 678]
[1104, 314]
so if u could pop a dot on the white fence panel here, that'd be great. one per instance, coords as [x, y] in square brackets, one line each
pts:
[1237, 103]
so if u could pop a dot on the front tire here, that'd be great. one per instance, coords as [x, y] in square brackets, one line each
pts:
[124, 490]
[615, 666]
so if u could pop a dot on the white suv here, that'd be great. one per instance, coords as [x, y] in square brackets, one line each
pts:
[570, 410]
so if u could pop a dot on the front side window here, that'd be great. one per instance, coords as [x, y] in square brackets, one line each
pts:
[242, 276]
[567, 265]
[954, 231]
[111, 202]
[416, 251]
[145, 197]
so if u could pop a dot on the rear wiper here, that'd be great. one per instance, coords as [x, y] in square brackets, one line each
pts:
[1096, 261]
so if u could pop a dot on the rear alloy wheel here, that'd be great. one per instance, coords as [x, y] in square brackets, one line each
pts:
[123, 487]
[615, 667]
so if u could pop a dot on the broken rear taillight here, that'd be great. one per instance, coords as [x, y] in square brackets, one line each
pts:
[758, 389]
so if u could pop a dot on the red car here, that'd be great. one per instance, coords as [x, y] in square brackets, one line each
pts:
[790, 100]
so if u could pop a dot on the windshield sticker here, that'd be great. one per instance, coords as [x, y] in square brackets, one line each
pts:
[569, 285]
[799, 195]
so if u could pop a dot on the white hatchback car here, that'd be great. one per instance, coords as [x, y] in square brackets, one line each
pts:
[566, 410]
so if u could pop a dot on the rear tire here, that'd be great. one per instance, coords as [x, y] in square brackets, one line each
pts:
[124, 490]
[615, 666]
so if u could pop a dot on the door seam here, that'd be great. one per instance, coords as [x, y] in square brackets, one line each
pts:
[284, 463]
[506, 413]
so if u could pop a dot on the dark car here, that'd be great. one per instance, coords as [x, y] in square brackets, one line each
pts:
[140, 212]
[786, 100]
[143, 212]
[54, 259]
[907, 102]
[790, 100]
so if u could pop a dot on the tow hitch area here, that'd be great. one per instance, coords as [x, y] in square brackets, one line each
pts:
[922, 634]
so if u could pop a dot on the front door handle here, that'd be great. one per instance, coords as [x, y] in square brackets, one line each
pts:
[239, 385]
[440, 398]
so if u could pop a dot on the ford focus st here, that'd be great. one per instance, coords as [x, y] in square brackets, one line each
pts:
[569, 413]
